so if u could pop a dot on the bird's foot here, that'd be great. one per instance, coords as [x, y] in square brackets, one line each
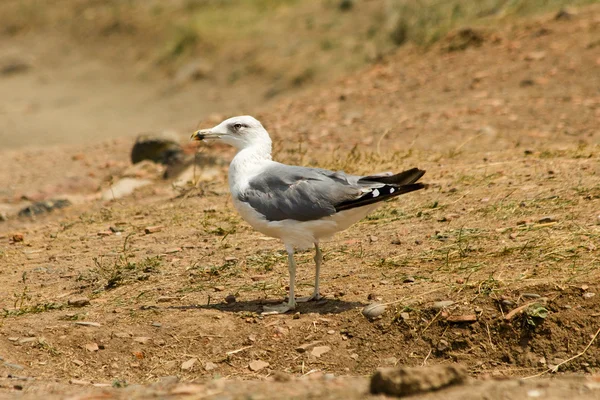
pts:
[314, 297]
[278, 309]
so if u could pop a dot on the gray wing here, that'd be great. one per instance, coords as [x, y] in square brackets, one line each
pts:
[299, 193]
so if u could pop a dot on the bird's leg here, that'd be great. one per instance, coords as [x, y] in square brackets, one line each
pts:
[291, 304]
[318, 261]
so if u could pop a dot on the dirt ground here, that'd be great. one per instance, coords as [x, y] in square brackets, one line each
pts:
[506, 236]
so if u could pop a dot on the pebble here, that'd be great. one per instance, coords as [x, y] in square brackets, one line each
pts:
[79, 301]
[547, 220]
[230, 299]
[373, 310]
[78, 382]
[43, 207]
[86, 323]
[438, 305]
[320, 350]
[330, 332]
[166, 299]
[443, 345]
[156, 324]
[535, 56]
[219, 288]
[257, 365]
[78, 362]
[409, 279]
[142, 339]
[390, 361]
[306, 346]
[92, 347]
[209, 366]
[189, 364]
[17, 237]
[152, 229]
[588, 295]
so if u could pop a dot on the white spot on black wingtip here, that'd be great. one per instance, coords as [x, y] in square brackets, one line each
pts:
[392, 190]
[375, 192]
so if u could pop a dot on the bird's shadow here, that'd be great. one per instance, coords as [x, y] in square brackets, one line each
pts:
[323, 306]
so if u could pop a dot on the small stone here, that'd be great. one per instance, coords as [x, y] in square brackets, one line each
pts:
[257, 365]
[78, 362]
[230, 299]
[535, 56]
[79, 301]
[320, 350]
[189, 364]
[438, 305]
[405, 316]
[584, 287]
[17, 237]
[152, 229]
[392, 361]
[92, 347]
[588, 295]
[86, 323]
[12, 338]
[443, 345]
[78, 382]
[409, 279]
[354, 356]
[547, 220]
[209, 366]
[373, 238]
[141, 339]
[373, 310]
[156, 324]
[219, 288]
[303, 348]
[331, 332]
[166, 299]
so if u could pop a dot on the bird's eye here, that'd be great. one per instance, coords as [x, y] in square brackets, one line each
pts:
[237, 127]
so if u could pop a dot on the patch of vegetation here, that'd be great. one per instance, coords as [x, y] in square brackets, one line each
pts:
[122, 270]
[22, 298]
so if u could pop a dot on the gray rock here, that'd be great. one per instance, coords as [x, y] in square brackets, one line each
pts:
[42, 207]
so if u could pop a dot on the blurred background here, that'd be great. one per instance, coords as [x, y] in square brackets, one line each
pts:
[74, 71]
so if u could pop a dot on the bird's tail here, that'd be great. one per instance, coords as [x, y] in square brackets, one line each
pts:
[393, 185]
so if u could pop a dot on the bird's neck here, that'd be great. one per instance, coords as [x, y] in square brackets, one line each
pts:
[248, 162]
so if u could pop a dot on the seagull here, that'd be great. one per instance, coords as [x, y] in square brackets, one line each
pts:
[298, 205]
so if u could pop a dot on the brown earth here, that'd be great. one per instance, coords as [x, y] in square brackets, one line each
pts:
[508, 132]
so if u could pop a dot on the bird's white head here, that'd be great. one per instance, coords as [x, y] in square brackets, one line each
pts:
[240, 132]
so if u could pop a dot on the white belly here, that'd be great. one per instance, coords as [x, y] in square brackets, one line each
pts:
[302, 234]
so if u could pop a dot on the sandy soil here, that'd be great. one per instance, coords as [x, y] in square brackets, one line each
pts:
[507, 235]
